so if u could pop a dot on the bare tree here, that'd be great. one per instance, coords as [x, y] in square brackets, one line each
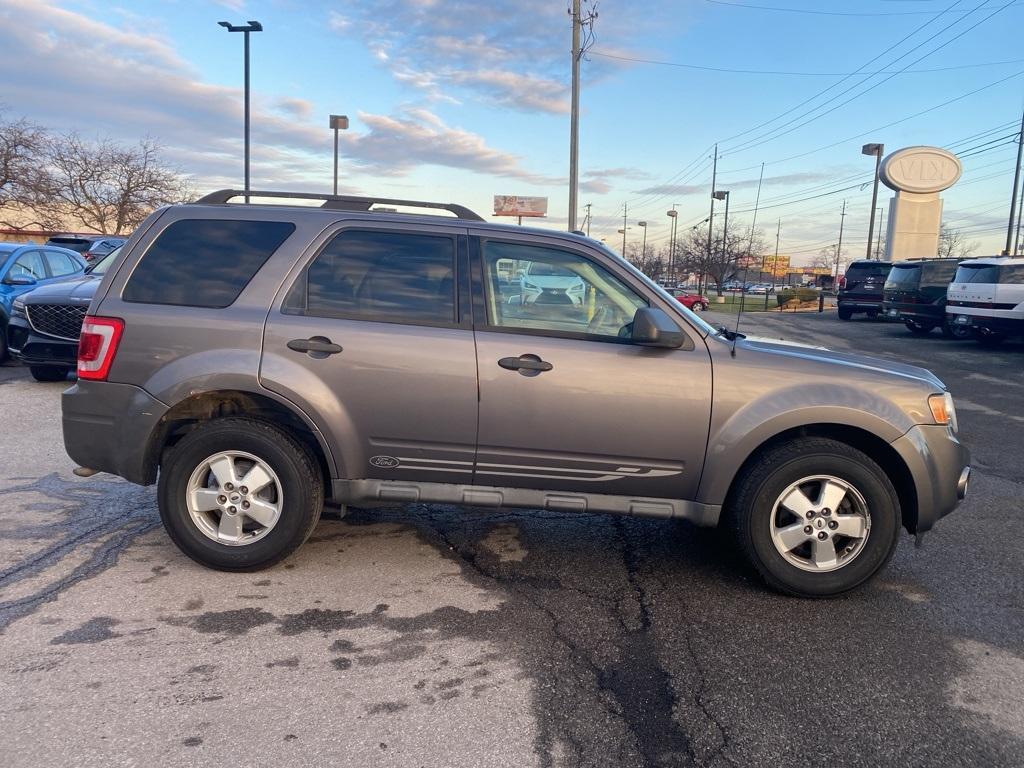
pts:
[726, 258]
[952, 244]
[22, 161]
[652, 263]
[826, 258]
[106, 187]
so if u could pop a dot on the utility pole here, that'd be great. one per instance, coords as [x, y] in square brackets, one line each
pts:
[1020, 214]
[775, 263]
[881, 226]
[587, 206]
[711, 216]
[574, 128]
[1016, 184]
[839, 248]
[624, 228]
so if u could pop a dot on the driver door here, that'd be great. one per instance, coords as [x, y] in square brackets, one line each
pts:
[567, 402]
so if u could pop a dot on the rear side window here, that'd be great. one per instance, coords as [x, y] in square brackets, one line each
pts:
[61, 264]
[905, 278]
[1011, 274]
[938, 275]
[204, 262]
[392, 277]
[977, 273]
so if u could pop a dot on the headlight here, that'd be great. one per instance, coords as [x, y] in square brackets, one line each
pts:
[943, 410]
[528, 284]
[577, 288]
[19, 307]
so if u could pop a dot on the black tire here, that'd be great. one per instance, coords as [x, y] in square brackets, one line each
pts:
[918, 329]
[697, 307]
[990, 339]
[48, 373]
[845, 314]
[959, 332]
[872, 314]
[301, 485]
[4, 354]
[764, 480]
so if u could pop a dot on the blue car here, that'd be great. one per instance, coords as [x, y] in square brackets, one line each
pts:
[26, 266]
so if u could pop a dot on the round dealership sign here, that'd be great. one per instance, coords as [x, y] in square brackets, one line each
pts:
[920, 169]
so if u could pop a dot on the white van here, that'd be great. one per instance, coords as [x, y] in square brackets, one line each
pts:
[987, 295]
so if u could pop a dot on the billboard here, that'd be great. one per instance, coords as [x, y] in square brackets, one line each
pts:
[515, 205]
[777, 265]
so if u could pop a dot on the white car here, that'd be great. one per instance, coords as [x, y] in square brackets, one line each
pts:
[545, 283]
[987, 295]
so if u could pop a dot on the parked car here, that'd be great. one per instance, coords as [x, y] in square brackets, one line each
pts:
[46, 322]
[549, 283]
[100, 248]
[760, 289]
[696, 302]
[987, 297]
[915, 292]
[24, 267]
[83, 243]
[257, 359]
[860, 289]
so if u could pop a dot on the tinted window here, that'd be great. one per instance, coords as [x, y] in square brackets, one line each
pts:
[938, 274]
[204, 262]
[1011, 274]
[864, 270]
[387, 276]
[29, 264]
[557, 291]
[61, 264]
[101, 266]
[976, 273]
[904, 278]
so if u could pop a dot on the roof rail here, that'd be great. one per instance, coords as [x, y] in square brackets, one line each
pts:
[337, 202]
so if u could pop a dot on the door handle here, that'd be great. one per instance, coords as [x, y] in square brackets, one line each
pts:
[317, 347]
[527, 365]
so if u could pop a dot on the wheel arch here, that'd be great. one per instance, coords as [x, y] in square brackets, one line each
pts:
[202, 407]
[870, 444]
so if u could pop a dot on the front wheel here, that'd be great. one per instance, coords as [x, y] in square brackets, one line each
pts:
[698, 307]
[239, 494]
[815, 517]
[845, 314]
[3, 344]
[956, 331]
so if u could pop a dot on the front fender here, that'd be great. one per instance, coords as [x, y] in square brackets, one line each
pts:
[739, 431]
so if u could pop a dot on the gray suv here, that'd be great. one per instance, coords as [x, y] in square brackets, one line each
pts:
[260, 359]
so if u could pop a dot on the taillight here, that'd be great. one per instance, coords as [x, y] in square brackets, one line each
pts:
[842, 282]
[97, 346]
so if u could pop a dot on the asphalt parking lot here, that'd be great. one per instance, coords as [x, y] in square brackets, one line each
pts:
[426, 635]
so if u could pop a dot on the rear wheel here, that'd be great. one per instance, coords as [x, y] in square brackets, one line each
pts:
[48, 373]
[697, 307]
[815, 517]
[989, 339]
[3, 343]
[845, 314]
[917, 328]
[239, 494]
[872, 314]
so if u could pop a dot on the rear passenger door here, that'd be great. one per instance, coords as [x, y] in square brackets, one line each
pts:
[373, 334]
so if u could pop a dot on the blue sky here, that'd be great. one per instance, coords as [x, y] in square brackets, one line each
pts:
[459, 100]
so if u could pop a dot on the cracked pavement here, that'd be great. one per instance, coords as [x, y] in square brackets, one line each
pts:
[436, 636]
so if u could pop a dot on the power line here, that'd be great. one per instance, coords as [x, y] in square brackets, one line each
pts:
[831, 13]
[767, 137]
[728, 70]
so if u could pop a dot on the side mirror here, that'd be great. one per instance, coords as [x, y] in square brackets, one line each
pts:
[20, 280]
[653, 328]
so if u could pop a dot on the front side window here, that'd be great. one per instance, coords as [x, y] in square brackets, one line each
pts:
[546, 289]
[61, 264]
[398, 277]
[29, 264]
[204, 262]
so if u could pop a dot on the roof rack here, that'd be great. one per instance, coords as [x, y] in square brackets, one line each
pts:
[337, 202]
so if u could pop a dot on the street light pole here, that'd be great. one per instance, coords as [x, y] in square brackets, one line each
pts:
[723, 194]
[775, 263]
[643, 248]
[876, 150]
[252, 26]
[881, 226]
[673, 224]
[625, 209]
[337, 123]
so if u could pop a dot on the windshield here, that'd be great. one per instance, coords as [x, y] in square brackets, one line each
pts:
[101, 266]
[904, 277]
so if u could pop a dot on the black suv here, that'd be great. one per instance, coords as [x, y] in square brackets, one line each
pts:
[915, 292]
[860, 290]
